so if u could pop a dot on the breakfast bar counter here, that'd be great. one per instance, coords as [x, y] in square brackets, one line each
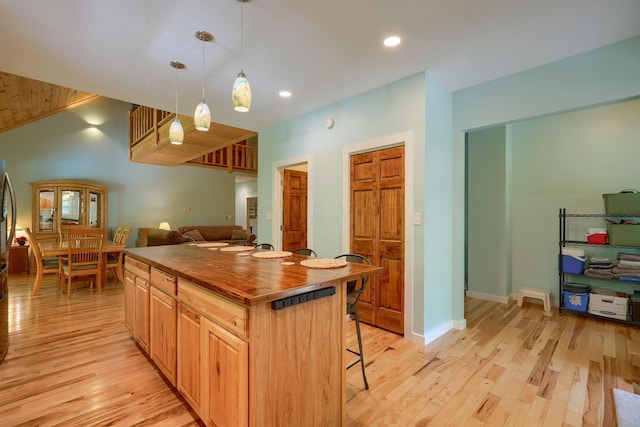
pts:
[248, 338]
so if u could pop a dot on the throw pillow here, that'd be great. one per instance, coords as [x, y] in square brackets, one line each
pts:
[194, 235]
[238, 235]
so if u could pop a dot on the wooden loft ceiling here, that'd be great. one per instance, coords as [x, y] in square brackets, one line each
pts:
[24, 100]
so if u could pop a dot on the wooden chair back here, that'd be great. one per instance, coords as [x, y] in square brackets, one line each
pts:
[83, 256]
[122, 234]
[49, 267]
[304, 251]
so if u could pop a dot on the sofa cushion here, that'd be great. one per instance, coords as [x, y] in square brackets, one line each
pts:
[159, 237]
[212, 233]
[194, 235]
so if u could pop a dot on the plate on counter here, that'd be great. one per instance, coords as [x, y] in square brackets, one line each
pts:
[323, 263]
[272, 254]
[236, 248]
[211, 245]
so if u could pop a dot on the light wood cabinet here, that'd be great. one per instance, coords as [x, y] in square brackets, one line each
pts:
[220, 372]
[142, 312]
[163, 331]
[137, 300]
[66, 202]
[225, 372]
[258, 344]
[130, 300]
[189, 362]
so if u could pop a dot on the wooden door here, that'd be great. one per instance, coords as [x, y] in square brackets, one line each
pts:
[377, 232]
[294, 212]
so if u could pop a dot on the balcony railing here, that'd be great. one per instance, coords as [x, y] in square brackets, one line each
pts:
[239, 157]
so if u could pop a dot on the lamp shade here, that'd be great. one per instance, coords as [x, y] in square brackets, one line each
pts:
[164, 225]
[176, 132]
[241, 94]
[202, 116]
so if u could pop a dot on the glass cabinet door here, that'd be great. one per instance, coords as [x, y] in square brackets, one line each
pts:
[95, 210]
[47, 210]
[71, 205]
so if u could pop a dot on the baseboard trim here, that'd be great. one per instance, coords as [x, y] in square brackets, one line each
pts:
[489, 297]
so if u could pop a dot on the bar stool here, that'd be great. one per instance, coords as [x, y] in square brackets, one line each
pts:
[354, 292]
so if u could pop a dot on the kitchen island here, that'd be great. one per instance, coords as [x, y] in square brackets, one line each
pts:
[246, 340]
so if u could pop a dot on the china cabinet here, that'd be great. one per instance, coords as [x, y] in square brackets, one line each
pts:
[67, 202]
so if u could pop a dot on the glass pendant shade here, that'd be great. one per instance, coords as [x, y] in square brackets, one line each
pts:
[176, 132]
[202, 116]
[241, 94]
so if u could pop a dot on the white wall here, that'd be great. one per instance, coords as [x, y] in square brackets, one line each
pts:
[244, 190]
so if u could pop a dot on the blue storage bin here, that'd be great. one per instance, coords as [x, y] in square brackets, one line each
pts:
[576, 301]
[572, 265]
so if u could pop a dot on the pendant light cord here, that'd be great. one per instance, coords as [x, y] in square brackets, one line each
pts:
[241, 35]
[202, 69]
[176, 92]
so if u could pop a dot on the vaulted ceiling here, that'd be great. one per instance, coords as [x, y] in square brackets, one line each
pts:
[323, 51]
[24, 100]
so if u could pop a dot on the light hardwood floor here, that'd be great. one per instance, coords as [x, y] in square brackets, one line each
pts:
[71, 362]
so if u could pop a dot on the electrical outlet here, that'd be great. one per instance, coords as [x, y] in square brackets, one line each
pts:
[229, 217]
[187, 209]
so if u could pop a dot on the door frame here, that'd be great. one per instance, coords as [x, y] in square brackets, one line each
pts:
[405, 139]
[278, 187]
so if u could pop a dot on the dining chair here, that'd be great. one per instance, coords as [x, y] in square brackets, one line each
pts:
[83, 261]
[355, 289]
[115, 260]
[304, 251]
[267, 246]
[43, 265]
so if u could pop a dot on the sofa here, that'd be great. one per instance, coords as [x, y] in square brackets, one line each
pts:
[217, 233]
[152, 236]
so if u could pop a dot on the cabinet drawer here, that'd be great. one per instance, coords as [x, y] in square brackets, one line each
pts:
[221, 310]
[163, 281]
[138, 268]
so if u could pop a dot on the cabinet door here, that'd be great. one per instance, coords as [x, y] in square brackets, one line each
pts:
[225, 370]
[163, 333]
[129, 300]
[189, 356]
[142, 313]
[72, 206]
[46, 204]
[95, 209]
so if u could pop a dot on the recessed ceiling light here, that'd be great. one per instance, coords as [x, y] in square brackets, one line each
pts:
[392, 41]
[284, 93]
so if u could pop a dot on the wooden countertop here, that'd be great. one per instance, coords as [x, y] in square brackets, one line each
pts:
[245, 279]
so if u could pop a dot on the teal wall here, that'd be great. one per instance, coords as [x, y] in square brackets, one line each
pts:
[398, 108]
[602, 76]
[489, 212]
[62, 147]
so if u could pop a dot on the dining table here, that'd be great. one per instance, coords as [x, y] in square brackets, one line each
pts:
[50, 249]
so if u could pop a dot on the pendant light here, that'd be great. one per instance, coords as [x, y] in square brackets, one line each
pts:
[176, 132]
[241, 93]
[202, 116]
